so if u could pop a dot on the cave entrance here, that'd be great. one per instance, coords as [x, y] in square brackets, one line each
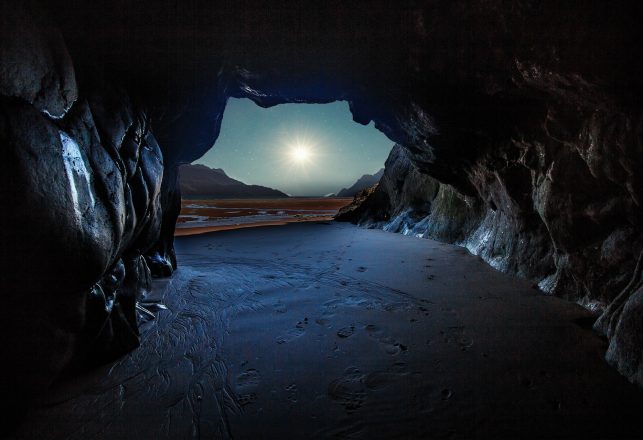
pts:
[282, 164]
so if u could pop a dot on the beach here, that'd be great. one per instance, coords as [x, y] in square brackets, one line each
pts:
[327, 330]
[200, 215]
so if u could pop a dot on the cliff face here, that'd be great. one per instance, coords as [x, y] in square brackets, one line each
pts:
[525, 115]
[603, 272]
[409, 202]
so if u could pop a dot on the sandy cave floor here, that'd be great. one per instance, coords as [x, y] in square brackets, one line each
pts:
[326, 330]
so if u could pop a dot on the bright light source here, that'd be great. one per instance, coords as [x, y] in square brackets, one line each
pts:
[300, 154]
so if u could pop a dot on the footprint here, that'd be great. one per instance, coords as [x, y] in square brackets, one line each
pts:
[374, 331]
[465, 342]
[279, 307]
[325, 318]
[362, 269]
[457, 335]
[349, 390]
[346, 331]
[392, 347]
[292, 393]
[246, 399]
[291, 335]
[322, 321]
[248, 378]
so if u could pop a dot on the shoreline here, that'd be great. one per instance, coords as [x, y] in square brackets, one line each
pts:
[199, 216]
[199, 230]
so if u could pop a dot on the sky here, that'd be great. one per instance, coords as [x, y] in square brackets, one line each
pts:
[300, 149]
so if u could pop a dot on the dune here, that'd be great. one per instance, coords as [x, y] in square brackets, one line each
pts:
[305, 331]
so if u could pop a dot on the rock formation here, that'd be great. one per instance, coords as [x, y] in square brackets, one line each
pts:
[366, 181]
[199, 180]
[526, 116]
[412, 203]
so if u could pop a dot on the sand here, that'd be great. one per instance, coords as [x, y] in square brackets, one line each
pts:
[235, 224]
[199, 216]
[332, 331]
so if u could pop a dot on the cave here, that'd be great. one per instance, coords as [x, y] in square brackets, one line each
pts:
[519, 139]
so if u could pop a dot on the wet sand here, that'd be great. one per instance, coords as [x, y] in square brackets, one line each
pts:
[332, 331]
[199, 216]
[195, 230]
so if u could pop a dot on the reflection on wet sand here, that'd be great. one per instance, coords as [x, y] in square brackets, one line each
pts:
[208, 215]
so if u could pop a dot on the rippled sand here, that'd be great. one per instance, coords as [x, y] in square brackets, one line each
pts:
[332, 331]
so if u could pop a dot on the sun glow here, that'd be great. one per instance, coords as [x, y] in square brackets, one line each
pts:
[300, 154]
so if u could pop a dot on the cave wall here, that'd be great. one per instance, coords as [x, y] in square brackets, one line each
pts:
[80, 190]
[518, 124]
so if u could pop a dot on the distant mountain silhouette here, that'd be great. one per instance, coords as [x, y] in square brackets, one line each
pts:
[200, 180]
[366, 181]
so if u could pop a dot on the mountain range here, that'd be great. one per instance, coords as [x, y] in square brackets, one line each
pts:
[200, 180]
[366, 181]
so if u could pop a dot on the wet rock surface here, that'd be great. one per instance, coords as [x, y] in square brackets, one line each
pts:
[296, 340]
[80, 183]
[525, 115]
[513, 235]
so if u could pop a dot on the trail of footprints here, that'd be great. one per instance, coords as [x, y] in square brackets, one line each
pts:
[293, 333]
[247, 384]
[352, 388]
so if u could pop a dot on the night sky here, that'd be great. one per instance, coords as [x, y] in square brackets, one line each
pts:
[301, 149]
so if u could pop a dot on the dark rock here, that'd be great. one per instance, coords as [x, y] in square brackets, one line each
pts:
[160, 265]
[367, 204]
[624, 351]
[413, 203]
[366, 181]
[35, 66]
[199, 180]
[80, 182]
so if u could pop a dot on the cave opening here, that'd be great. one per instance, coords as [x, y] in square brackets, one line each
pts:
[517, 139]
[282, 164]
